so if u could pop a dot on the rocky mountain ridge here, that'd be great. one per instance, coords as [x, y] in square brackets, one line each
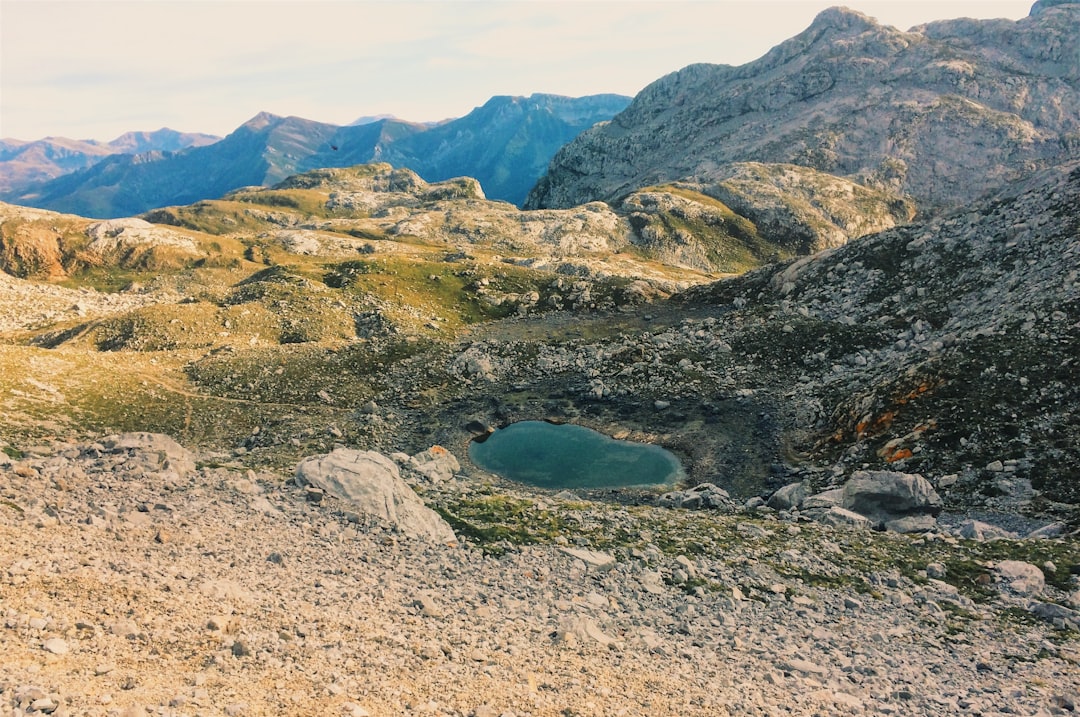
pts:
[25, 163]
[941, 113]
[506, 144]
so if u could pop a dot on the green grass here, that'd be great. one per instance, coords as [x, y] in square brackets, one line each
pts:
[732, 243]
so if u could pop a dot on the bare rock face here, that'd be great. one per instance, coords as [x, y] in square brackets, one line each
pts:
[804, 209]
[942, 113]
[754, 214]
[30, 243]
[372, 484]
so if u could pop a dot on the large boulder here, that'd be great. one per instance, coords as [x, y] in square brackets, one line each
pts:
[834, 497]
[155, 451]
[372, 484]
[980, 531]
[1020, 577]
[790, 496]
[886, 496]
[842, 518]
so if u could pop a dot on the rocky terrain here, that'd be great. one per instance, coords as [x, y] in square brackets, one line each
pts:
[234, 434]
[310, 358]
[939, 114]
[944, 348]
[139, 578]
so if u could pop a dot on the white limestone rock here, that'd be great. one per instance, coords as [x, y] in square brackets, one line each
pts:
[372, 484]
[436, 464]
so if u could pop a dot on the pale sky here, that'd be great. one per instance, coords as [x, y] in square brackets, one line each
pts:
[93, 69]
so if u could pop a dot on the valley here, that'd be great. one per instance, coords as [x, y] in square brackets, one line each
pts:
[235, 428]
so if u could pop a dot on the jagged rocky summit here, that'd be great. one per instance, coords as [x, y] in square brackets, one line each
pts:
[941, 113]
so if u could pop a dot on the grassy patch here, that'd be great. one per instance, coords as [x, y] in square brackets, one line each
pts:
[493, 521]
[729, 242]
[305, 374]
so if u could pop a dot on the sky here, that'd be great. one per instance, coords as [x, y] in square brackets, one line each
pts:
[94, 69]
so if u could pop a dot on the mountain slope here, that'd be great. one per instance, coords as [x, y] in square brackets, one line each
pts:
[23, 164]
[943, 348]
[264, 150]
[942, 113]
[506, 144]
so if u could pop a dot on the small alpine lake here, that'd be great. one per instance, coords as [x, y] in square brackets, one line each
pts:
[566, 456]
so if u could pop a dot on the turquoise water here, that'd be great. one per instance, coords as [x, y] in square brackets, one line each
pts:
[568, 456]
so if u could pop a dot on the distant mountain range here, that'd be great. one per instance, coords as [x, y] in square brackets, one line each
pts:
[506, 144]
[939, 114]
[23, 163]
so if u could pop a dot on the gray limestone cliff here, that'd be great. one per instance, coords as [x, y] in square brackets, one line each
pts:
[942, 113]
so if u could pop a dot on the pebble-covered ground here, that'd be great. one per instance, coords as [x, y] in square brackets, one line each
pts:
[133, 585]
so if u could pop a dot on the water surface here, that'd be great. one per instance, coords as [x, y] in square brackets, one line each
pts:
[569, 457]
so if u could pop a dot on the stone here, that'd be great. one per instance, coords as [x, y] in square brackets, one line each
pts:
[582, 630]
[427, 606]
[788, 497]
[56, 646]
[687, 565]
[754, 503]
[1052, 530]
[936, 571]
[824, 500]
[804, 666]
[912, 524]
[46, 705]
[436, 464]
[841, 517]
[977, 530]
[158, 450]
[701, 496]
[1020, 577]
[883, 496]
[124, 628]
[1058, 614]
[652, 582]
[594, 560]
[372, 483]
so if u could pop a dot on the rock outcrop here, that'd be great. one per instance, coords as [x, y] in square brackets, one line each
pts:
[46, 245]
[372, 484]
